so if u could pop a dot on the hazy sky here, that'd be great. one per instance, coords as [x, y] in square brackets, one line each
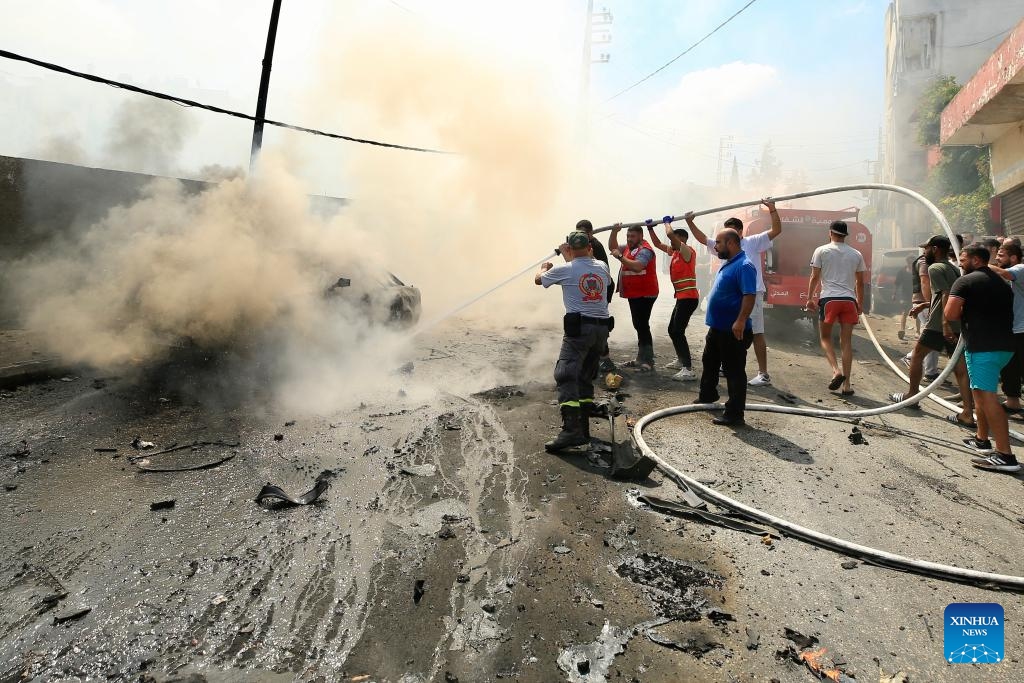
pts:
[804, 74]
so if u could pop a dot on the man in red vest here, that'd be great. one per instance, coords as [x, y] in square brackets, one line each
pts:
[638, 284]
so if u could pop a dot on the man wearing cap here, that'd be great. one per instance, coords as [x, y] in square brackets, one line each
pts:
[938, 334]
[839, 270]
[585, 282]
[585, 226]
[922, 295]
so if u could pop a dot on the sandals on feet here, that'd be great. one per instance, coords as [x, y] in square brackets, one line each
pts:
[899, 396]
[955, 419]
[836, 382]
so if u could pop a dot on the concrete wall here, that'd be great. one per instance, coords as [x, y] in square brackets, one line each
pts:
[42, 200]
[1008, 160]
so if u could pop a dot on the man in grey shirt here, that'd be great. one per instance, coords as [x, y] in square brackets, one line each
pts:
[585, 282]
[938, 334]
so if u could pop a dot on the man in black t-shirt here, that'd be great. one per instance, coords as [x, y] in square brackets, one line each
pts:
[983, 302]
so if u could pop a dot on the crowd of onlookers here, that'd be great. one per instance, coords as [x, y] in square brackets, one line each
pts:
[984, 303]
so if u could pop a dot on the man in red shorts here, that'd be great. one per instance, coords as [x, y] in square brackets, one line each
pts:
[839, 270]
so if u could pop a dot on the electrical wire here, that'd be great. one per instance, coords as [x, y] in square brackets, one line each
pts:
[681, 54]
[181, 101]
[979, 42]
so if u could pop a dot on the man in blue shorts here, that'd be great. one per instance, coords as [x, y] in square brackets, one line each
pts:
[839, 270]
[983, 303]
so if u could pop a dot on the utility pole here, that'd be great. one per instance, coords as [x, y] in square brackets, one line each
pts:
[261, 99]
[725, 147]
[596, 31]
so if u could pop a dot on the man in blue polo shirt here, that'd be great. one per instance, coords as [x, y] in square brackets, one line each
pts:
[729, 328]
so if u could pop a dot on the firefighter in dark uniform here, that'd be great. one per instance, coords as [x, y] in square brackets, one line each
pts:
[585, 282]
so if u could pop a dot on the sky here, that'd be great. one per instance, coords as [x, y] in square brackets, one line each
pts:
[804, 75]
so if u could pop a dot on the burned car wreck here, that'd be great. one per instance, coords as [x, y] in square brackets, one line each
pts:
[381, 297]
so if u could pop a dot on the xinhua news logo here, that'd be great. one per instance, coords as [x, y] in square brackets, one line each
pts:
[973, 633]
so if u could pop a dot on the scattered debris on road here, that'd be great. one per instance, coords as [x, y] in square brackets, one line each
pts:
[162, 504]
[674, 588]
[140, 445]
[681, 509]
[22, 451]
[590, 663]
[856, 437]
[70, 614]
[185, 462]
[279, 495]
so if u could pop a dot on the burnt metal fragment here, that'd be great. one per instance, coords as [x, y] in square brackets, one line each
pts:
[279, 495]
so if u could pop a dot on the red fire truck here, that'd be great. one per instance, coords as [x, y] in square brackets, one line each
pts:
[787, 265]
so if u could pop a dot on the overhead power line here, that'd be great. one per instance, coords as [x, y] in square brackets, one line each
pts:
[681, 54]
[208, 107]
[983, 40]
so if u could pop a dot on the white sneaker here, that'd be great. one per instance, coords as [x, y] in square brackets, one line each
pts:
[674, 365]
[760, 379]
[685, 375]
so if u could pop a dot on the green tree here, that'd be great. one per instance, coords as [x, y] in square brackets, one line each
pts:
[768, 171]
[960, 183]
[937, 95]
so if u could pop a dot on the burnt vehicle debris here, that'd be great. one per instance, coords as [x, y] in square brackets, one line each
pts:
[381, 297]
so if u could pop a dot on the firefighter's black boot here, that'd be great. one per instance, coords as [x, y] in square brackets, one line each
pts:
[572, 431]
[586, 408]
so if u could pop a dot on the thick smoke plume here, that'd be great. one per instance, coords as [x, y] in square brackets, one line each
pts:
[148, 135]
[214, 268]
[245, 263]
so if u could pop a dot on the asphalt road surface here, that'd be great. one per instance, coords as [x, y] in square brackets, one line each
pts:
[449, 546]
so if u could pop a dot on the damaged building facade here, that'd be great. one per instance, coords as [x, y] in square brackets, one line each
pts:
[989, 110]
[925, 40]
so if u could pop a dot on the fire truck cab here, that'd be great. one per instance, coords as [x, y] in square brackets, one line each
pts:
[787, 265]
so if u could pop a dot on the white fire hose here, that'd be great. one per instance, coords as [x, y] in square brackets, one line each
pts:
[872, 555]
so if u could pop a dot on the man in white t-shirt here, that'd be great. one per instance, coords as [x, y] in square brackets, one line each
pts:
[839, 270]
[753, 246]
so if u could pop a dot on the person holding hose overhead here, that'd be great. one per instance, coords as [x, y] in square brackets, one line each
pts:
[753, 246]
[638, 284]
[682, 270]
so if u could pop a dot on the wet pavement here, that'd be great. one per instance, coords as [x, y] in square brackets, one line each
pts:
[449, 546]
